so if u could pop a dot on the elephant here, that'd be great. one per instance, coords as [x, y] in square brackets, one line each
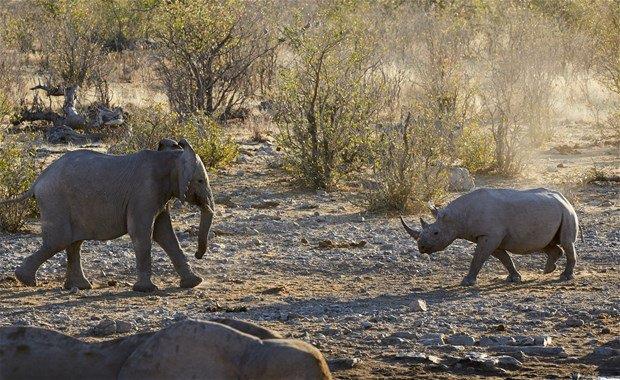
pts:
[87, 195]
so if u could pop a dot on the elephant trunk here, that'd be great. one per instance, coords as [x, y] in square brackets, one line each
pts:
[206, 218]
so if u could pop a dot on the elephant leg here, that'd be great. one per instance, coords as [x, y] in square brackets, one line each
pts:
[513, 274]
[75, 274]
[140, 230]
[164, 235]
[26, 272]
[554, 252]
[571, 259]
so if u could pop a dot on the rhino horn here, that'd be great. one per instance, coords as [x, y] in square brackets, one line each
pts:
[411, 231]
[433, 208]
[423, 223]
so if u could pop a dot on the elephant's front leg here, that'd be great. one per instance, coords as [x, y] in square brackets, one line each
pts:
[140, 231]
[164, 235]
[75, 274]
[484, 248]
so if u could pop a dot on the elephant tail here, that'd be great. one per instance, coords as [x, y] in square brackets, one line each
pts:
[22, 197]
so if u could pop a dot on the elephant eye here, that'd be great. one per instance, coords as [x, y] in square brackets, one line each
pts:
[435, 233]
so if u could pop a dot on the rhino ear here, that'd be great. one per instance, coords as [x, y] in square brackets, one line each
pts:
[434, 210]
[423, 224]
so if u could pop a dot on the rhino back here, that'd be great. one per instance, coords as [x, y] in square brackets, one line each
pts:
[526, 220]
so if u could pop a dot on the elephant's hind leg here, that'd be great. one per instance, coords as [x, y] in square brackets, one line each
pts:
[26, 272]
[75, 274]
[554, 252]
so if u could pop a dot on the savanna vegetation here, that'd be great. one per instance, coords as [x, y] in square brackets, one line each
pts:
[396, 91]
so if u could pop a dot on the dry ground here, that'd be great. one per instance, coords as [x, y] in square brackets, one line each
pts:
[266, 265]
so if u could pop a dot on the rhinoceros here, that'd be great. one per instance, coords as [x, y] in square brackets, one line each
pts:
[501, 221]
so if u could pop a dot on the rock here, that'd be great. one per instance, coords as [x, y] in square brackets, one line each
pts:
[418, 358]
[532, 350]
[265, 204]
[492, 341]
[501, 328]
[339, 364]
[418, 305]
[105, 327]
[542, 340]
[393, 341]
[404, 335]
[508, 362]
[460, 180]
[123, 327]
[460, 340]
[574, 322]
[432, 340]
[64, 135]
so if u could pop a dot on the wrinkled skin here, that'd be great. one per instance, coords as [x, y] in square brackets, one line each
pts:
[86, 195]
[227, 349]
[501, 221]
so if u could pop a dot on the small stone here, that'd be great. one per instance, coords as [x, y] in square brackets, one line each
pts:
[393, 341]
[492, 341]
[123, 327]
[367, 325]
[404, 335]
[574, 322]
[501, 328]
[542, 340]
[74, 290]
[460, 340]
[605, 330]
[508, 362]
[418, 305]
[105, 327]
[339, 364]
[304, 241]
[432, 340]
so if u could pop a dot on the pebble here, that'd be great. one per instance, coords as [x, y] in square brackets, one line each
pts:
[460, 340]
[418, 305]
[574, 322]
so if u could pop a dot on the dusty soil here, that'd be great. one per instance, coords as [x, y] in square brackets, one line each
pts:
[269, 262]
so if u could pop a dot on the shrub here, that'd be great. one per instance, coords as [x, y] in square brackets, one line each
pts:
[409, 164]
[329, 94]
[18, 170]
[146, 127]
[206, 53]
[476, 148]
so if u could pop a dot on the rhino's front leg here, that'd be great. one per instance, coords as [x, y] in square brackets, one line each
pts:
[484, 248]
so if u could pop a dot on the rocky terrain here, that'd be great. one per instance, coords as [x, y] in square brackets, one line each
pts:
[317, 266]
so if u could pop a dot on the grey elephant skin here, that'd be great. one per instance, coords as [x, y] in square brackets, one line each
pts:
[186, 350]
[86, 195]
[501, 221]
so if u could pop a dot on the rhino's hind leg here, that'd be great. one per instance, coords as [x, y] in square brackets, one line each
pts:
[513, 274]
[554, 252]
[571, 259]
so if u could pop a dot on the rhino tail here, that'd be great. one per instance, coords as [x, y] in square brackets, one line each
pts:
[20, 198]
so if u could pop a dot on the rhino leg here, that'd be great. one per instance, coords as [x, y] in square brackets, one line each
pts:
[571, 259]
[485, 247]
[554, 252]
[513, 274]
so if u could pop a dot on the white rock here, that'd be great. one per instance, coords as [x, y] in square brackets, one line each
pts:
[418, 305]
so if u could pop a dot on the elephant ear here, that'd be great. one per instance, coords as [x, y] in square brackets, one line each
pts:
[186, 165]
[168, 144]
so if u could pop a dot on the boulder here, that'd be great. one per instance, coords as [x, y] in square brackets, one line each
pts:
[460, 180]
